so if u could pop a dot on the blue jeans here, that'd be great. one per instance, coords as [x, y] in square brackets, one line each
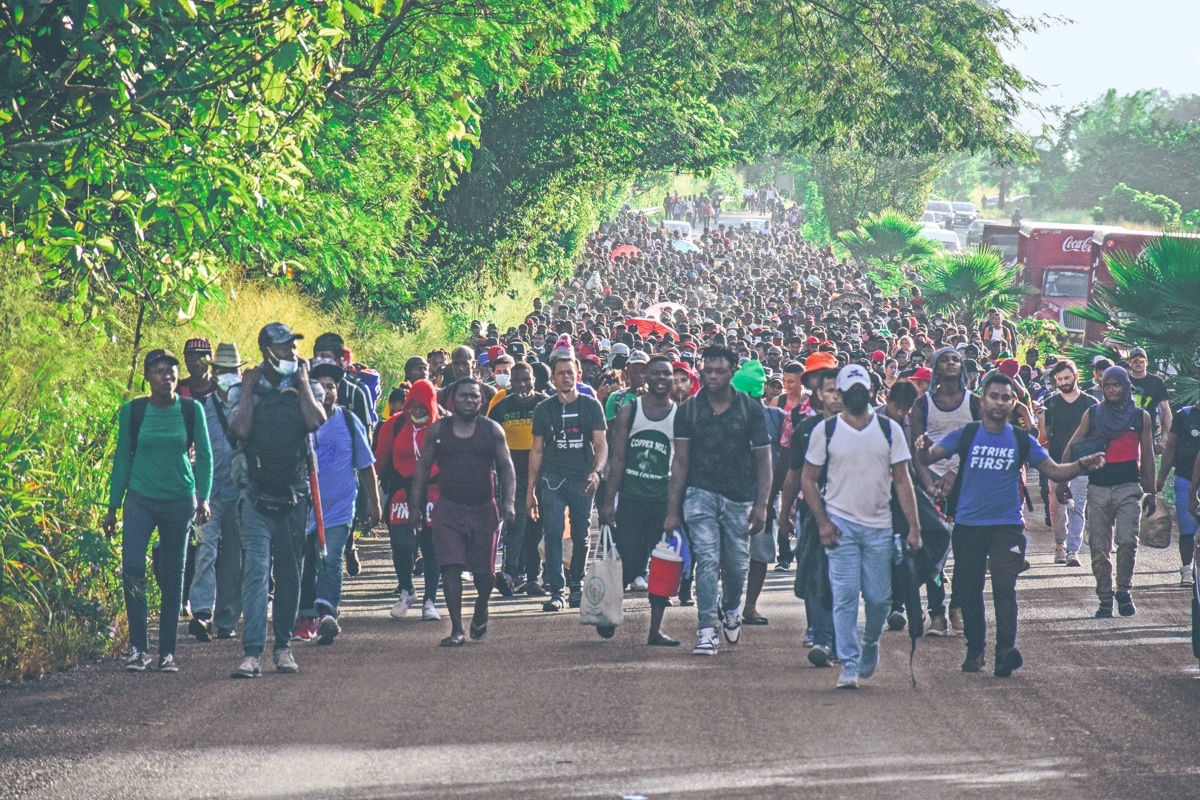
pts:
[719, 531]
[221, 528]
[559, 494]
[1067, 520]
[270, 544]
[228, 606]
[861, 563]
[514, 535]
[321, 583]
[820, 619]
[1187, 523]
[173, 519]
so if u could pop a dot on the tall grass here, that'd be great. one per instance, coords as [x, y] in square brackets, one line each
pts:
[60, 388]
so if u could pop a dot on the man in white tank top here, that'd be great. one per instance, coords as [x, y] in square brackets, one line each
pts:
[945, 408]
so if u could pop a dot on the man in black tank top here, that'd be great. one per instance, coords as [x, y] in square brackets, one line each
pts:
[470, 450]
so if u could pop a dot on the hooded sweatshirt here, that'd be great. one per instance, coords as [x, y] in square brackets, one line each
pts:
[406, 446]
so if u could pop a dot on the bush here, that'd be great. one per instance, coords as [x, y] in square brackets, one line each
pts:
[816, 227]
[1130, 205]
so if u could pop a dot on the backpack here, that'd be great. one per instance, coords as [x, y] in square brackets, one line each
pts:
[137, 415]
[964, 454]
[369, 381]
[277, 451]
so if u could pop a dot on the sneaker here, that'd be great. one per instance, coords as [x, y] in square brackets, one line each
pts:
[1186, 580]
[167, 664]
[956, 621]
[732, 626]
[575, 599]
[1105, 610]
[135, 660]
[1072, 558]
[285, 662]
[226, 633]
[1008, 662]
[306, 630]
[1125, 605]
[896, 621]
[1060, 555]
[783, 566]
[639, 584]
[685, 593]
[534, 589]
[974, 662]
[555, 603]
[328, 629]
[250, 667]
[820, 655]
[706, 642]
[937, 626]
[400, 607]
[399, 590]
[504, 584]
[868, 662]
[353, 565]
[429, 612]
[808, 637]
[847, 679]
[201, 628]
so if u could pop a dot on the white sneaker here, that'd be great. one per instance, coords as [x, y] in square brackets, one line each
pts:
[250, 667]
[1185, 576]
[732, 625]
[429, 612]
[639, 584]
[286, 662]
[706, 642]
[847, 680]
[400, 608]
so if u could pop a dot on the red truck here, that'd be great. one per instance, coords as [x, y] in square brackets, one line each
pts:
[1105, 242]
[1057, 261]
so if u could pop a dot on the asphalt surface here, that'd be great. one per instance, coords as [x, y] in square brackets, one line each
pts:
[543, 708]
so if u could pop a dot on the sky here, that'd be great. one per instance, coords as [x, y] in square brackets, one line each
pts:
[1148, 44]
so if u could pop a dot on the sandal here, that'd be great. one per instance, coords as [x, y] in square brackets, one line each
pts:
[453, 640]
[477, 634]
[756, 620]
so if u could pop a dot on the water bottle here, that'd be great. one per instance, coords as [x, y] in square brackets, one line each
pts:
[898, 550]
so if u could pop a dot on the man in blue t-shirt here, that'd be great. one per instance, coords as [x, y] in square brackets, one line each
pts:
[989, 522]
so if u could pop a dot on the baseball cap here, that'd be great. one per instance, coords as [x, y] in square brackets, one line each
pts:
[923, 374]
[879, 356]
[821, 360]
[812, 340]
[639, 357]
[1138, 352]
[329, 341]
[852, 375]
[276, 333]
[326, 367]
[154, 356]
[495, 352]
[620, 349]
[197, 345]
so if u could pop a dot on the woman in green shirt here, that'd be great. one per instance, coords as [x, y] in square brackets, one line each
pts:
[153, 476]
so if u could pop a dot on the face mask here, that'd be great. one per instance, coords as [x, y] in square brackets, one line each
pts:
[227, 380]
[286, 368]
[502, 380]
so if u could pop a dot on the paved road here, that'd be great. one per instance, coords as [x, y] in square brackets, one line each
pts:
[545, 709]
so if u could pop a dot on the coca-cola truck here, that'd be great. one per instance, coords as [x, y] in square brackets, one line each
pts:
[1056, 260]
[1110, 240]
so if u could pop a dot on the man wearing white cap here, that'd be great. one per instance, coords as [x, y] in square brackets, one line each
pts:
[863, 455]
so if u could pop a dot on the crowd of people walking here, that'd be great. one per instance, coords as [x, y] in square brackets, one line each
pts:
[757, 395]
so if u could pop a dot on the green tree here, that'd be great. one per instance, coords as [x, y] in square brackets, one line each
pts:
[857, 184]
[816, 228]
[967, 284]
[1152, 304]
[890, 245]
[1130, 205]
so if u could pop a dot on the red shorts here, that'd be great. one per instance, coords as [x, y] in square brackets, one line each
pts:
[465, 535]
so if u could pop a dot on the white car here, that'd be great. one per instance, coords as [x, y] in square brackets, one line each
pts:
[947, 239]
[684, 227]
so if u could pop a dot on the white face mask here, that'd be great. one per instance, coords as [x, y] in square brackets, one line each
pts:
[286, 368]
[227, 380]
[502, 380]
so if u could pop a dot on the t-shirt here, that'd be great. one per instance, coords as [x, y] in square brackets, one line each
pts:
[800, 437]
[991, 477]
[720, 446]
[1186, 427]
[161, 468]
[1148, 392]
[1063, 419]
[338, 459]
[860, 469]
[516, 417]
[567, 431]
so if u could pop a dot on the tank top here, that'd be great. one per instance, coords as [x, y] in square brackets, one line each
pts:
[467, 465]
[648, 458]
[940, 423]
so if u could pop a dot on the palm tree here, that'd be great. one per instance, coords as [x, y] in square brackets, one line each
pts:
[889, 245]
[965, 285]
[1153, 304]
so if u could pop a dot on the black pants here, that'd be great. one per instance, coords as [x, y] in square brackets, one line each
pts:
[639, 528]
[974, 547]
[935, 592]
[405, 541]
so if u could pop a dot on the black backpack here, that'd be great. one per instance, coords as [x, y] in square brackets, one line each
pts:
[964, 453]
[137, 415]
[277, 450]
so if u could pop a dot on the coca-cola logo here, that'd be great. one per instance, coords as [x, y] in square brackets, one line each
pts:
[1073, 245]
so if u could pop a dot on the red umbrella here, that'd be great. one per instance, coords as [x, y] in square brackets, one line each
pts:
[627, 250]
[648, 326]
[657, 309]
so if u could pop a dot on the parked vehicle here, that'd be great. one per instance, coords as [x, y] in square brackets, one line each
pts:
[944, 211]
[1002, 237]
[975, 233]
[964, 214]
[1056, 260]
[684, 227]
[947, 239]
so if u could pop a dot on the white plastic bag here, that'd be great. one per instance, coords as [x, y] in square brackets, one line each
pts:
[602, 585]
